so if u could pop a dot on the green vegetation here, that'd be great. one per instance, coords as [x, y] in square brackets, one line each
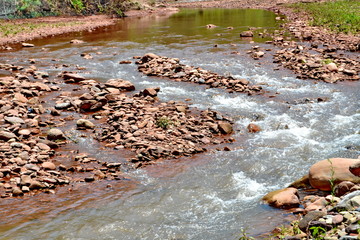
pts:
[285, 231]
[339, 16]
[8, 29]
[244, 235]
[318, 232]
[78, 5]
[164, 122]
[39, 8]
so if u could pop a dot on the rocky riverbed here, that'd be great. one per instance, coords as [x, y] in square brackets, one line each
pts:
[140, 122]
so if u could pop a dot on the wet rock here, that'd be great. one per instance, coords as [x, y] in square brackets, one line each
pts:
[83, 123]
[152, 92]
[76, 41]
[74, 76]
[89, 179]
[55, 134]
[247, 34]
[120, 84]
[253, 128]
[209, 26]
[225, 127]
[355, 169]
[61, 106]
[125, 62]
[283, 198]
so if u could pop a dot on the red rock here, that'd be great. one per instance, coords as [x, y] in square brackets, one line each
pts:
[120, 84]
[73, 76]
[225, 127]
[334, 169]
[283, 198]
[343, 188]
[253, 128]
[48, 165]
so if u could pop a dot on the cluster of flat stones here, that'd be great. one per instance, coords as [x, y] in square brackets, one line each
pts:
[329, 197]
[171, 68]
[325, 66]
[317, 54]
[28, 139]
[25, 158]
[298, 25]
[164, 130]
[153, 130]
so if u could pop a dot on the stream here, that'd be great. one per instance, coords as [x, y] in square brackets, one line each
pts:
[208, 196]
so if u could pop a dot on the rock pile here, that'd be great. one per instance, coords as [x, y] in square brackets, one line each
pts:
[333, 216]
[154, 65]
[324, 66]
[160, 130]
[152, 129]
[28, 142]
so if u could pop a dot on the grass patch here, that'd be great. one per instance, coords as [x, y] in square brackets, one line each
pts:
[339, 16]
[9, 29]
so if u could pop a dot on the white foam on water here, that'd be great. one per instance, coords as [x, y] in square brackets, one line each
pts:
[238, 102]
[174, 90]
[249, 189]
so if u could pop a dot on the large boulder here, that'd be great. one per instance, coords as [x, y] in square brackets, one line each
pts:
[283, 198]
[335, 170]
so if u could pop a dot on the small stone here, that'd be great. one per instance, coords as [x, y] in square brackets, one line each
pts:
[253, 128]
[75, 77]
[14, 120]
[83, 123]
[181, 109]
[311, 216]
[89, 179]
[332, 67]
[225, 127]
[247, 34]
[4, 135]
[76, 41]
[25, 189]
[61, 106]
[210, 26]
[17, 192]
[55, 134]
[24, 132]
[36, 185]
[337, 219]
[48, 166]
[27, 45]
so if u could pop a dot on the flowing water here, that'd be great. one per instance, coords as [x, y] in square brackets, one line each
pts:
[209, 196]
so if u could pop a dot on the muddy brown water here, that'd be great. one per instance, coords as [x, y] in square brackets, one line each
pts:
[208, 196]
